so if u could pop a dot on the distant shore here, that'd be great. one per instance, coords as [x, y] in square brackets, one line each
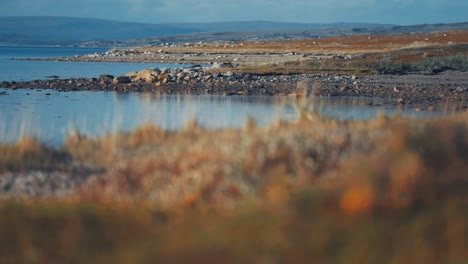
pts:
[448, 90]
[420, 71]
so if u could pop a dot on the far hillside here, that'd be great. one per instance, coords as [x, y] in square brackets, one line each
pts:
[70, 31]
[75, 31]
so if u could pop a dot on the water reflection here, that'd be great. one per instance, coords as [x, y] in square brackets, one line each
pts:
[51, 115]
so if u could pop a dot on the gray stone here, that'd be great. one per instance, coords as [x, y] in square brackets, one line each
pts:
[106, 76]
[208, 77]
[121, 79]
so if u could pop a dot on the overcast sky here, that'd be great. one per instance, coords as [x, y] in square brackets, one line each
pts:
[315, 11]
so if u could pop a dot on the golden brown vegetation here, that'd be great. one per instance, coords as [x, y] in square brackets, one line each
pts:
[414, 59]
[28, 153]
[354, 44]
[390, 190]
[358, 54]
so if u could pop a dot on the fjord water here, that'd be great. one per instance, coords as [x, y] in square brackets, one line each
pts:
[12, 69]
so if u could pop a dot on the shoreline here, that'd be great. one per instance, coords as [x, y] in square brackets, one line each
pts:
[444, 91]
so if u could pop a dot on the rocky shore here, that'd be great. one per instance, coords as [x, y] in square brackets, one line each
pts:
[189, 54]
[448, 90]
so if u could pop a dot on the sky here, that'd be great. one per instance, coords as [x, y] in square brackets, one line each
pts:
[402, 12]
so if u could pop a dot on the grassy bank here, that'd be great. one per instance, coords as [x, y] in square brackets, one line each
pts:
[389, 190]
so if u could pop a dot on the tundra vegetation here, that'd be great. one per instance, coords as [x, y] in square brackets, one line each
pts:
[316, 190]
[389, 190]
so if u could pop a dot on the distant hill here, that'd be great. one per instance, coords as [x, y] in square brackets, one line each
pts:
[67, 30]
[70, 31]
[329, 30]
[73, 31]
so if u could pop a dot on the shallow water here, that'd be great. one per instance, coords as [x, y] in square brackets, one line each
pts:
[27, 70]
[52, 115]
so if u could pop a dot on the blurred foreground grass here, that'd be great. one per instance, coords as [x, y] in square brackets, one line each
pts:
[390, 190]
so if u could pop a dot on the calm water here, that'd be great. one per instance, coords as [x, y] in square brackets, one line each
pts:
[51, 115]
[22, 70]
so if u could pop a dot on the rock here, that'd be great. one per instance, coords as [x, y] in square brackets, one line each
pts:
[163, 76]
[180, 75]
[395, 90]
[247, 78]
[148, 75]
[106, 76]
[52, 77]
[207, 77]
[218, 65]
[440, 69]
[401, 101]
[121, 79]
[132, 74]
[151, 79]
[344, 88]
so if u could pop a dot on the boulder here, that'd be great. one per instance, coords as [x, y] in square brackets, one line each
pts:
[132, 74]
[151, 79]
[148, 75]
[163, 76]
[121, 79]
[106, 76]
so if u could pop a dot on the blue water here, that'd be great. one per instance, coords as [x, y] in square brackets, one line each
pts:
[7, 52]
[51, 115]
[26, 70]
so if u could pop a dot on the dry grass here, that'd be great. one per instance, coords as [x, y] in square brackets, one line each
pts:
[358, 54]
[354, 44]
[415, 59]
[390, 190]
[27, 153]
